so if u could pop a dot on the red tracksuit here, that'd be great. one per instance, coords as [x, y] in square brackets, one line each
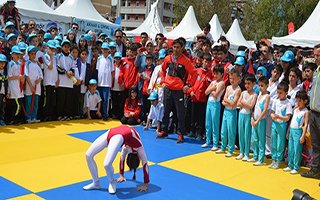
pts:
[133, 105]
[129, 73]
[202, 82]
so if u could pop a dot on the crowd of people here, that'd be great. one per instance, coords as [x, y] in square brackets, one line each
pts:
[203, 91]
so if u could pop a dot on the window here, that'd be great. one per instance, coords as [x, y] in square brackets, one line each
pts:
[137, 18]
[129, 3]
[122, 16]
[123, 2]
[137, 3]
[128, 17]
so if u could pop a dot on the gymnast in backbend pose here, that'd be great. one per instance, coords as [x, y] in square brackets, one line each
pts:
[113, 139]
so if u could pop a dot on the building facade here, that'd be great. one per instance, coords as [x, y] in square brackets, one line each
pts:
[134, 12]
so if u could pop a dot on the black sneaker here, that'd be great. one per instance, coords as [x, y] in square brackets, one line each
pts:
[312, 173]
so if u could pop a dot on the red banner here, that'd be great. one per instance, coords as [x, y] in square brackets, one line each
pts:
[290, 28]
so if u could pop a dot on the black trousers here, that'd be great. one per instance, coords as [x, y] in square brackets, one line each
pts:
[198, 118]
[117, 101]
[145, 107]
[50, 100]
[129, 120]
[174, 99]
[14, 110]
[314, 123]
[76, 100]
[188, 117]
[2, 106]
[64, 101]
[93, 114]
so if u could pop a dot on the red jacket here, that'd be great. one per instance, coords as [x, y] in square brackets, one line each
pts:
[176, 77]
[146, 77]
[133, 105]
[128, 73]
[225, 64]
[202, 83]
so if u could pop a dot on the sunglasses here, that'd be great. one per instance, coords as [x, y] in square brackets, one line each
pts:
[118, 36]
[75, 28]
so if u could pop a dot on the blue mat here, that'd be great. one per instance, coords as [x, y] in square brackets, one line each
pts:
[157, 150]
[9, 189]
[165, 184]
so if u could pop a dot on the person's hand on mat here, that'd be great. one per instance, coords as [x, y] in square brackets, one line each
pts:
[143, 188]
[145, 128]
[121, 179]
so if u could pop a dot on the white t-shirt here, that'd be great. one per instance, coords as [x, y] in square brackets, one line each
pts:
[155, 82]
[66, 63]
[40, 54]
[34, 72]
[156, 114]
[2, 91]
[83, 77]
[92, 100]
[117, 86]
[281, 108]
[14, 85]
[50, 76]
[104, 67]
[293, 94]
[298, 118]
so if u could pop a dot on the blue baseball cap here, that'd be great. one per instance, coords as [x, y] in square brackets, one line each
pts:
[64, 41]
[58, 37]
[239, 61]
[9, 24]
[240, 54]
[153, 96]
[22, 45]
[51, 44]
[70, 31]
[47, 36]
[117, 55]
[31, 36]
[112, 44]
[10, 36]
[99, 41]
[44, 44]
[288, 56]
[105, 45]
[162, 53]
[16, 49]
[32, 48]
[57, 43]
[87, 37]
[93, 82]
[3, 58]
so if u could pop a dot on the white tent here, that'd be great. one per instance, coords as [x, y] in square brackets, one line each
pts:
[235, 37]
[308, 35]
[216, 29]
[187, 28]
[86, 16]
[151, 25]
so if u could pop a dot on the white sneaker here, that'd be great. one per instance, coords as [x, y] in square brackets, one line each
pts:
[205, 145]
[220, 151]
[29, 121]
[287, 169]
[214, 148]
[272, 163]
[35, 120]
[293, 171]
[276, 165]
[239, 157]
[252, 160]
[258, 163]
[228, 155]
[112, 188]
[92, 186]
[245, 158]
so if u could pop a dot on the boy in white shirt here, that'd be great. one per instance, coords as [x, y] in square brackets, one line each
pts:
[117, 91]
[3, 87]
[50, 79]
[82, 73]
[93, 101]
[156, 112]
[105, 78]
[33, 74]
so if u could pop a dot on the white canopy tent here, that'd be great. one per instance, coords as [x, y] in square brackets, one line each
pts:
[187, 28]
[39, 11]
[216, 29]
[235, 37]
[308, 35]
[88, 18]
[151, 25]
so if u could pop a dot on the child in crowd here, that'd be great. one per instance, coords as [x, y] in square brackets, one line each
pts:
[34, 76]
[50, 80]
[215, 92]
[93, 101]
[199, 98]
[105, 78]
[246, 102]
[156, 113]
[261, 71]
[297, 133]
[3, 87]
[117, 91]
[308, 69]
[15, 94]
[229, 120]
[198, 59]
[82, 69]
[281, 111]
[132, 108]
[74, 52]
[294, 77]
[145, 75]
[258, 122]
